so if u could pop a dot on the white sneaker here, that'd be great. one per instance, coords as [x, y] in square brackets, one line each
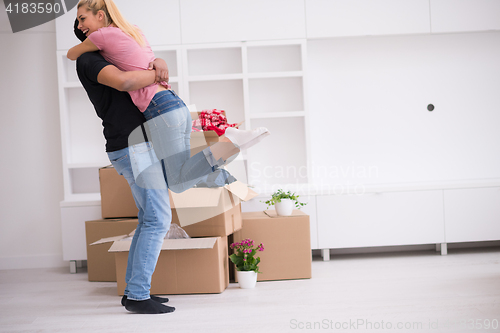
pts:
[246, 138]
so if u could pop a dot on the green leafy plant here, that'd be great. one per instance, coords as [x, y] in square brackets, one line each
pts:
[244, 255]
[280, 194]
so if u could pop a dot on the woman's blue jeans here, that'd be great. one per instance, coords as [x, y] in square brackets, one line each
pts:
[168, 125]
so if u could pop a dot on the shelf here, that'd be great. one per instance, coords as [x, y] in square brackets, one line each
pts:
[72, 84]
[88, 165]
[82, 199]
[264, 75]
[199, 78]
[286, 114]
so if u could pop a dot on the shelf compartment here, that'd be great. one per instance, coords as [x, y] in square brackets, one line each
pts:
[222, 77]
[279, 58]
[170, 57]
[278, 114]
[84, 128]
[222, 95]
[84, 180]
[276, 95]
[281, 157]
[217, 61]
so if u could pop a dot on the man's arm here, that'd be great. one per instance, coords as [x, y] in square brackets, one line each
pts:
[132, 80]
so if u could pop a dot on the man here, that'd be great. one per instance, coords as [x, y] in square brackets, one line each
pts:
[106, 85]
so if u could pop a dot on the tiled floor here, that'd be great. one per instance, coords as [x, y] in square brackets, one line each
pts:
[421, 290]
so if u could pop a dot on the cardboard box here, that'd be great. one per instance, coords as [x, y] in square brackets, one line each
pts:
[116, 196]
[100, 263]
[207, 212]
[287, 244]
[185, 266]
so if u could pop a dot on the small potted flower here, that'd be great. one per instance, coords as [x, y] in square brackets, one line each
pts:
[246, 262]
[284, 202]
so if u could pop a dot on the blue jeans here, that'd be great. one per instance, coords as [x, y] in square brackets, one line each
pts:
[154, 215]
[168, 125]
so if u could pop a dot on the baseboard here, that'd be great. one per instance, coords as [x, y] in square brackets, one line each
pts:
[406, 248]
[26, 262]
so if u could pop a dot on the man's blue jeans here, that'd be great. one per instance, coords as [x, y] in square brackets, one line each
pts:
[154, 216]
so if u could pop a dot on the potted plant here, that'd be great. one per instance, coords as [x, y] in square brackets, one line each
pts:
[246, 262]
[284, 202]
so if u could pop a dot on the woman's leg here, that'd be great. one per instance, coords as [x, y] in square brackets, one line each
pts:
[169, 126]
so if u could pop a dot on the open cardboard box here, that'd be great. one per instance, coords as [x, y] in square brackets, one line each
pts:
[101, 263]
[203, 212]
[185, 266]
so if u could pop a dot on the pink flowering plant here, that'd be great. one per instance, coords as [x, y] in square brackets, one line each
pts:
[244, 255]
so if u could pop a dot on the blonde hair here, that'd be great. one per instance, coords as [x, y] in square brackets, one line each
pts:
[113, 16]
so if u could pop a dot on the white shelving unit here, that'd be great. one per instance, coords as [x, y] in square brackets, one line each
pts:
[252, 82]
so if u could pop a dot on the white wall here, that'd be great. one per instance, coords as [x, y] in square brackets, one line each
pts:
[30, 171]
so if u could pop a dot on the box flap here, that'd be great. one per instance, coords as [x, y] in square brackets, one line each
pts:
[189, 243]
[241, 190]
[196, 197]
[170, 244]
[109, 239]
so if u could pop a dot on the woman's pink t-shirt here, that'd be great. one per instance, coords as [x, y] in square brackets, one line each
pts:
[125, 53]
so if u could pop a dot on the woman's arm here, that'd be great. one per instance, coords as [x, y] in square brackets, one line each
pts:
[133, 80]
[83, 47]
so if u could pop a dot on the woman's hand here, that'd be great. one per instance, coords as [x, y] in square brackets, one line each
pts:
[161, 68]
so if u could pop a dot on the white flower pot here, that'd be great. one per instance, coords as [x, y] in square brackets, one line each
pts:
[285, 207]
[246, 279]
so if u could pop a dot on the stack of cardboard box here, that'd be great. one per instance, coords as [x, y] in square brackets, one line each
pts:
[212, 217]
[196, 265]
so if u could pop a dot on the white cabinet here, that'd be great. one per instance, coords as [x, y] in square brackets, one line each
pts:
[158, 20]
[74, 215]
[339, 18]
[380, 219]
[472, 214]
[464, 15]
[244, 20]
[253, 82]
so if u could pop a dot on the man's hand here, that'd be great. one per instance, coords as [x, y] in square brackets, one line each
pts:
[161, 68]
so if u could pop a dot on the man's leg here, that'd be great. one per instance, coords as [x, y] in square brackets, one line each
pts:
[154, 222]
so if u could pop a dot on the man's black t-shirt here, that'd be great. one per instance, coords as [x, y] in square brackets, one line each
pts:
[118, 113]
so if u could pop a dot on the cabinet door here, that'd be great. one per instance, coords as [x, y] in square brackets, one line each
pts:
[158, 20]
[225, 21]
[472, 214]
[73, 229]
[397, 218]
[464, 15]
[327, 18]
